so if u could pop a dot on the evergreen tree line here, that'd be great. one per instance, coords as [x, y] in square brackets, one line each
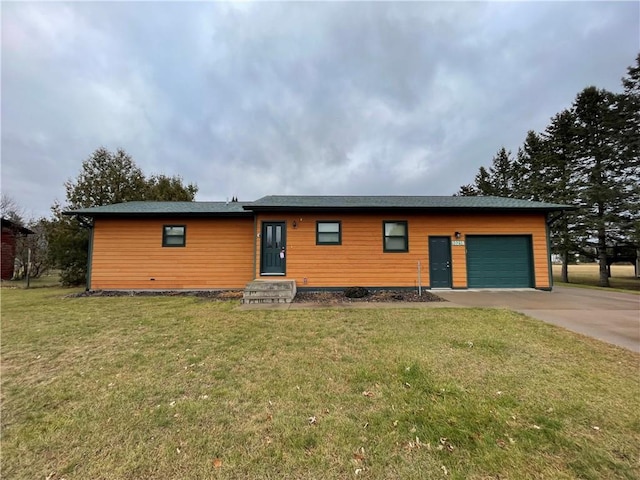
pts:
[588, 157]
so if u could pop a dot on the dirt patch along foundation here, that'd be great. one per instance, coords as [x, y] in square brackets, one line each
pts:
[375, 296]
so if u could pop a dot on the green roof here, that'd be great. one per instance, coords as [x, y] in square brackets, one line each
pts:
[322, 203]
[288, 202]
[165, 208]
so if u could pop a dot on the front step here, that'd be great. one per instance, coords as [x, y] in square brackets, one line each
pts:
[269, 291]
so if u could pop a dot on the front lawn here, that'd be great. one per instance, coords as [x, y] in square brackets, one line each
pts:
[183, 387]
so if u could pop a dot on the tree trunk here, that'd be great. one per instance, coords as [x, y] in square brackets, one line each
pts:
[602, 255]
[565, 267]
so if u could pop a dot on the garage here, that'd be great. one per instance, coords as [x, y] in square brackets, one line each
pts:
[499, 261]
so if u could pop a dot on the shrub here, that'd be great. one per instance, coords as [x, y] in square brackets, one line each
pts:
[356, 292]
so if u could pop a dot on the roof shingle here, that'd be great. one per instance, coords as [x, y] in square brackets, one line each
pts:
[282, 202]
[325, 203]
[164, 208]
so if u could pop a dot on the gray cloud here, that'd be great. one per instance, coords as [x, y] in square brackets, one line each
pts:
[294, 98]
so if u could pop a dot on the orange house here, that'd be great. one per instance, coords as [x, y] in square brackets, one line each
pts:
[321, 242]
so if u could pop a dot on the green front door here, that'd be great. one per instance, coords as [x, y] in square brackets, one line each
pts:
[439, 262]
[273, 255]
[499, 261]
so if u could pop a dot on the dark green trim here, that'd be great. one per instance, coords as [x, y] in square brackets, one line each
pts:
[339, 242]
[164, 236]
[385, 236]
[255, 249]
[243, 214]
[90, 257]
[550, 266]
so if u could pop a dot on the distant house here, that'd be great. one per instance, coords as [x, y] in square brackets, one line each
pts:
[10, 230]
[322, 242]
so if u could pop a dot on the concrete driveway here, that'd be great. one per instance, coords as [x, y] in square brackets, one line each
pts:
[609, 316]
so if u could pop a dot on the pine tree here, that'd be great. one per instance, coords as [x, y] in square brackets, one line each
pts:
[606, 172]
[105, 178]
[557, 183]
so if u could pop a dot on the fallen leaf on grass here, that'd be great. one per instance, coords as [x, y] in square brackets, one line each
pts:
[444, 470]
[217, 463]
[417, 444]
[367, 393]
[444, 443]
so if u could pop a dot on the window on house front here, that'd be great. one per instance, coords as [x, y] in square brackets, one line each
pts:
[174, 235]
[396, 236]
[329, 233]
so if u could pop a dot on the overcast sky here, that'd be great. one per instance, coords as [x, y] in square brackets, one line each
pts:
[251, 99]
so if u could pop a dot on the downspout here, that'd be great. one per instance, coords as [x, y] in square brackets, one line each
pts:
[548, 223]
[550, 266]
[89, 225]
[255, 241]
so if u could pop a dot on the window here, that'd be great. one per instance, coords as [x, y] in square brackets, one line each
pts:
[396, 236]
[328, 233]
[174, 235]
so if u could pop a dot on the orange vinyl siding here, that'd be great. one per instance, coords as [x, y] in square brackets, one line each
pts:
[360, 259]
[128, 253]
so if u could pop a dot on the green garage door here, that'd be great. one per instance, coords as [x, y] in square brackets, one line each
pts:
[499, 261]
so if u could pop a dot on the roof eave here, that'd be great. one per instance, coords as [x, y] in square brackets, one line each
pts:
[156, 214]
[259, 209]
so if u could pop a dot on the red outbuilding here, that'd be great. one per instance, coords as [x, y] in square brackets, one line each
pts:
[10, 231]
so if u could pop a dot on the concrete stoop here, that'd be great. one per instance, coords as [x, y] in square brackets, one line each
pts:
[269, 291]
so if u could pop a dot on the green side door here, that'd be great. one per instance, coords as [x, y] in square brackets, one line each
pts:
[499, 261]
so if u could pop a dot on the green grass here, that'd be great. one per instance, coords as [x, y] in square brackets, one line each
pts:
[588, 274]
[50, 279]
[167, 387]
